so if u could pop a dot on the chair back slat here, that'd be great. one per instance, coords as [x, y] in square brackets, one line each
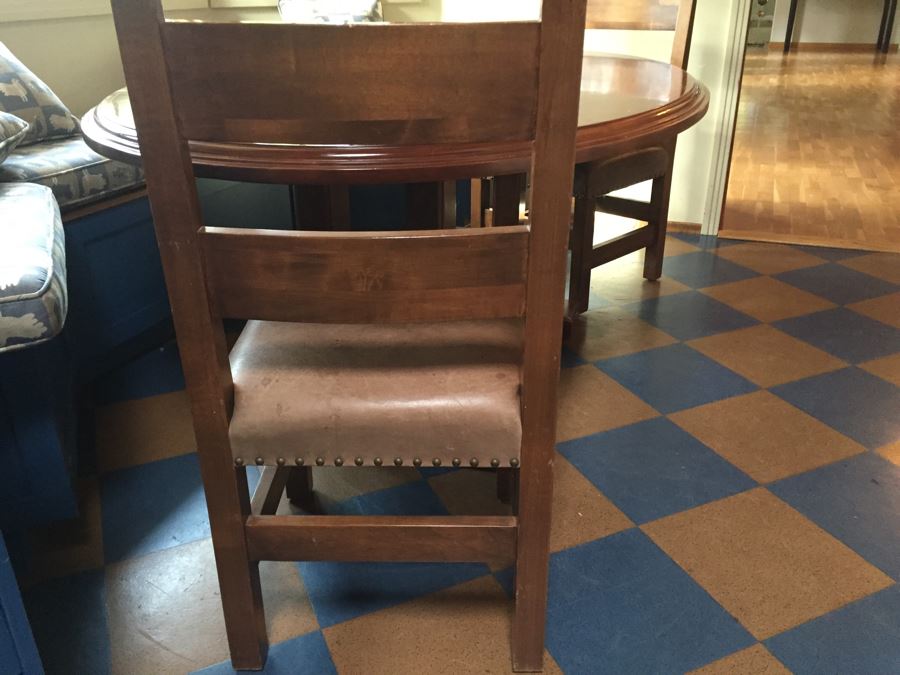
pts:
[664, 15]
[368, 84]
[362, 277]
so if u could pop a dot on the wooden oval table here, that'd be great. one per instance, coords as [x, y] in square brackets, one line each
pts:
[626, 103]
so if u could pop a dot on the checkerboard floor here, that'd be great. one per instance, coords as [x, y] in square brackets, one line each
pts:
[727, 501]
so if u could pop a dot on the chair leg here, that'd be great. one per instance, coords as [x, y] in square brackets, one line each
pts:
[508, 487]
[659, 205]
[245, 621]
[299, 488]
[532, 560]
[582, 245]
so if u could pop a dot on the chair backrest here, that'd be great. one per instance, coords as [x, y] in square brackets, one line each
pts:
[664, 15]
[423, 85]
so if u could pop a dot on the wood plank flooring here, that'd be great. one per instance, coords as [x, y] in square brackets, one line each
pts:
[817, 151]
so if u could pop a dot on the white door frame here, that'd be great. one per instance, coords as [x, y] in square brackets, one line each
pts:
[727, 114]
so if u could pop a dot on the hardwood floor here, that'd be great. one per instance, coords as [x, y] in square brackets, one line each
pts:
[817, 151]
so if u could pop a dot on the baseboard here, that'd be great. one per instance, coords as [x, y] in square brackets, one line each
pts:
[853, 47]
[805, 240]
[678, 226]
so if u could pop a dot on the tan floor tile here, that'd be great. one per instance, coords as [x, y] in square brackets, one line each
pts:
[677, 247]
[765, 563]
[887, 368]
[144, 430]
[755, 660]
[334, 484]
[882, 265]
[885, 309]
[769, 258]
[766, 356]
[165, 612]
[891, 452]
[580, 512]
[767, 299]
[69, 546]
[766, 437]
[610, 331]
[590, 401]
[622, 281]
[464, 629]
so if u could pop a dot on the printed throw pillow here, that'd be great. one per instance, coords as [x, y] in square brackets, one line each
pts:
[12, 131]
[330, 11]
[24, 95]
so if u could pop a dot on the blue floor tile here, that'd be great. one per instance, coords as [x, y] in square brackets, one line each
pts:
[862, 638]
[155, 506]
[156, 372]
[702, 269]
[690, 315]
[68, 619]
[343, 591]
[675, 377]
[837, 283]
[854, 402]
[833, 254]
[857, 501]
[844, 333]
[304, 655]
[620, 605]
[653, 469]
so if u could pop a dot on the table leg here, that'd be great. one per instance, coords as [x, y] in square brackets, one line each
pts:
[431, 206]
[792, 17]
[321, 207]
[507, 194]
[887, 26]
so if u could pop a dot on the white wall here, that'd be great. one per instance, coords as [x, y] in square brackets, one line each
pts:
[832, 21]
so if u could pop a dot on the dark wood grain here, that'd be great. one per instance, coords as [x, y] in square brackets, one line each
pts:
[553, 165]
[361, 277]
[489, 539]
[289, 83]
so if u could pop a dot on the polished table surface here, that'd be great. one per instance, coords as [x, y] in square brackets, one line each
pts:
[626, 103]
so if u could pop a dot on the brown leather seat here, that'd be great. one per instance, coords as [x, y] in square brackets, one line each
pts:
[335, 393]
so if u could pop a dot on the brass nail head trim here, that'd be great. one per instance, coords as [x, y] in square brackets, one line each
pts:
[260, 461]
[456, 461]
[473, 462]
[436, 461]
[239, 461]
[398, 461]
[299, 461]
[280, 461]
[358, 461]
[495, 462]
[417, 461]
[320, 461]
[377, 461]
[339, 461]
[514, 462]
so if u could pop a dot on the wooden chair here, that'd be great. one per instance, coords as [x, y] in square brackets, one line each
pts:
[595, 180]
[458, 360]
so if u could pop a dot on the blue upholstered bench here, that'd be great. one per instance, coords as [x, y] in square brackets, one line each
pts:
[36, 420]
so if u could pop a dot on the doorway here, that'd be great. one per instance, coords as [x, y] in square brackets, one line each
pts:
[816, 151]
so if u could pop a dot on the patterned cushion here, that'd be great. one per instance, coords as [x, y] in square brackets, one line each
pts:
[24, 95]
[330, 11]
[33, 298]
[12, 131]
[76, 174]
